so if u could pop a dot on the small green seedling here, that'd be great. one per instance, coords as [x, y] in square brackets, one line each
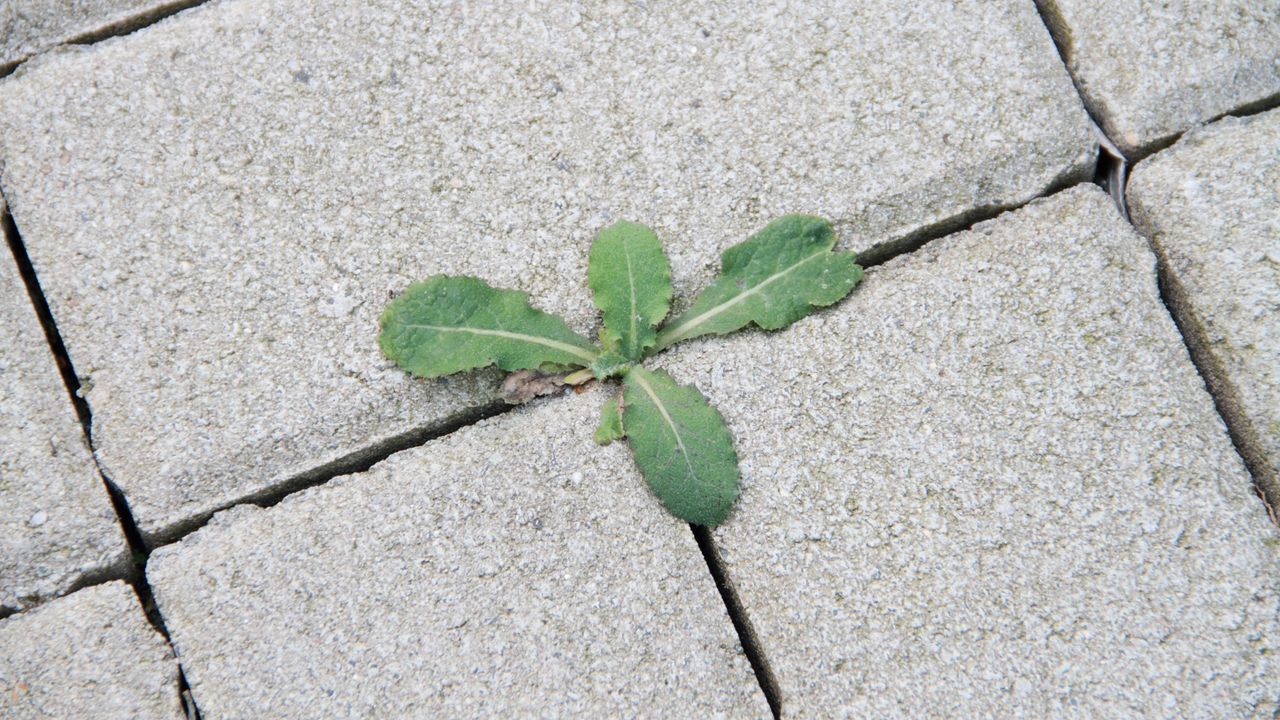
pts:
[445, 325]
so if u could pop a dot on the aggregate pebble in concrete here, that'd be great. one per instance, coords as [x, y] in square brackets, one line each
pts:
[89, 655]
[30, 26]
[1151, 69]
[1211, 207]
[57, 528]
[510, 569]
[991, 484]
[220, 205]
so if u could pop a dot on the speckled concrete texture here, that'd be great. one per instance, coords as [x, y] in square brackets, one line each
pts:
[991, 484]
[1151, 69]
[89, 655]
[219, 206]
[510, 569]
[30, 26]
[57, 528]
[1211, 207]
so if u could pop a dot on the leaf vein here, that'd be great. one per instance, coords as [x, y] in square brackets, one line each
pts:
[662, 409]
[564, 347]
[677, 333]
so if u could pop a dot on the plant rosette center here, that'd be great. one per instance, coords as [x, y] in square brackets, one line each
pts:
[610, 365]
[680, 443]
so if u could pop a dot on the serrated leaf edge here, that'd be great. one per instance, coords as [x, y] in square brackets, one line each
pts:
[612, 410]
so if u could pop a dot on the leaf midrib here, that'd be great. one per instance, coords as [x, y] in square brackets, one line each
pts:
[684, 452]
[676, 333]
[587, 355]
[631, 280]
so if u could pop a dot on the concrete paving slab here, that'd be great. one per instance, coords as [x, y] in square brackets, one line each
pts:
[991, 484]
[91, 654]
[1150, 69]
[1211, 207]
[219, 206]
[57, 528]
[512, 568]
[31, 26]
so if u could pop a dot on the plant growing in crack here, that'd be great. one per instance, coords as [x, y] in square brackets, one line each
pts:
[680, 443]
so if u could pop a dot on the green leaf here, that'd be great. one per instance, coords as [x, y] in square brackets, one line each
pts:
[610, 364]
[630, 281]
[445, 325]
[772, 279]
[610, 427]
[681, 446]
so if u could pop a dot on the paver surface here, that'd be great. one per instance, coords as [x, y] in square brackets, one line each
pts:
[1151, 69]
[57, 528]
[30, 26]
[1211, 207]
[511, 568]
[89, 655]
[991, 484]
[220, 205]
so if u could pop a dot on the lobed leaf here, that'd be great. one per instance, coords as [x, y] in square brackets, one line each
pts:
[772, 279]
[630, 281]
[610, 427]
[446, 324]
[681, 446]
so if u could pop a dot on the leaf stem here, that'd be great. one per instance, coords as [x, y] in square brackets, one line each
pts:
[578, 377]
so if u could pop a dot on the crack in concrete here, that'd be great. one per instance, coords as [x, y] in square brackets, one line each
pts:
[1110, 174]
[1223, 392]
[1061, 36]
[1113, 176]
[366, 458]
[747, 638]
[135, 573]
[124, 26]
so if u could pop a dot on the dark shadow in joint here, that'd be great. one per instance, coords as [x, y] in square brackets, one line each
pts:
[751, 646]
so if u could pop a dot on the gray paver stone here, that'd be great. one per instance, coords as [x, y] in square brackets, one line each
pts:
[218, 206]
[30, 26]
[511, 568]
[57, 528]
[1151, 69]
[991, 484]
[88, 655]
[1211, 207]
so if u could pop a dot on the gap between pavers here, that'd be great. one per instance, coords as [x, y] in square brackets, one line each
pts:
[991, 483]
[1210, 206]
[131, 559]
[510, 568]
[89, 654]
[1150, 70]
[219, 206]
[28, 27]
[57, 529]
